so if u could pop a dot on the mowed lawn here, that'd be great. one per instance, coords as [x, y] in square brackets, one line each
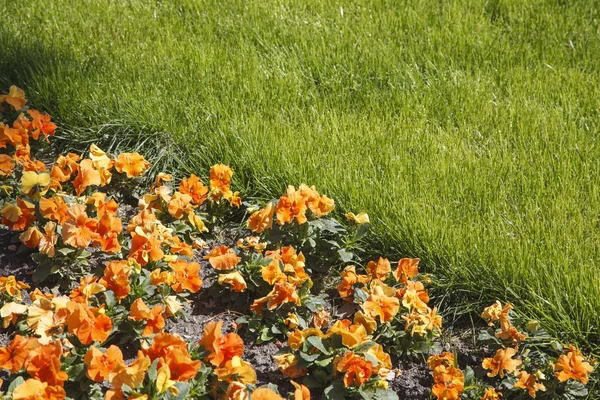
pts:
[467, 129]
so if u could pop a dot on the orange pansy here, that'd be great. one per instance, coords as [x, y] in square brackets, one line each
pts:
[54, 209]
[100, 364]
[502, 361]
[380, 270]
[220, 178]
[14, 355]
[89, 325]
[116, 278]
[194, 187]
[41, 124]
[380, 305]
[572, 366]
[145, 249]
[78, 229]
[186, 276]
[349, 279]
[222, 258]
[7, 165]
[262, 219]
[407, 268]
[266, 394]
[15, 97]
[356, 369]
[87, 176]
[131, 164]
[281, 293]
[530, 383]
[236, 370]
[234, 280]
[18, 217]
[291, 205]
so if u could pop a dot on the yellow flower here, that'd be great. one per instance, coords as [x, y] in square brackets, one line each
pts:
[361, 218]
[34, 184]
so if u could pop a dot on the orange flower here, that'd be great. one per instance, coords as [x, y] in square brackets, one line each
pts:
[87, 176]
[291, 205]
[89, 325]
[262, 219]
[446, 360]
[10, 313]
[79, 230]
[380, 305]
[100, 364]
[288, 365]
[54, 209]
[492, 313]
[179, 247]
[41, 124]
[369, 323]
[194, 187]
[98, 200]
[33, 389]
[132, 375]
[301, 392]
[272, 273]
[321, 318]
[359, 219]
[179, 204]
[234, 280]
[181, 366]
[48, 239]
[408, 268]
[222, 258]
[267, 394]
[44, 365]
[414, 296]
[501, 362]
[18, 217]
[7, 165]
[109, 228]
[529, 382]
[65, 167]
[31, 237]
[448, 383]
[251, 243]
[236, 370]
[186, 276]
[352, 334]
[15, 97]
[380, 270]
[154, 320]
[145, 249]
[572, 366]
[88, 286]
[131, 164]
[220, 178]
[12, 286]
[102, 163]
[221, 348]
[349, 279]
[14, 355]
[491, 394]
[356, 369]
[282, 293]
[116, 278]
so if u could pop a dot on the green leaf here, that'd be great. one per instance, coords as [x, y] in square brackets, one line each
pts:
[15, 384]
[335, 391]
[41, 272]
[576, 389]
[110, 298]
[65, 251]
[345, 256]
[362, 231]
[324, 362]
[152, 373]
[309, 357]
[316, 342]
[183, 388]
[361, 348]
[75, 372]
[360, 295]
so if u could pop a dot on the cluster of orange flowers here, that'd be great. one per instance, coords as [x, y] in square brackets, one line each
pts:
[448, 380]
[356, 369]
[570, 365]
[383, 301]
[291, 206]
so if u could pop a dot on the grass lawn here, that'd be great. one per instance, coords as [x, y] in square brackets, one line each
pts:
[468, 130]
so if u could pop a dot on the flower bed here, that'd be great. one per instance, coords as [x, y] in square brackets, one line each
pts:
[118, 264]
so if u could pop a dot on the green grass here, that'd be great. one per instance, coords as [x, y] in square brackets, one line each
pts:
[468, 130]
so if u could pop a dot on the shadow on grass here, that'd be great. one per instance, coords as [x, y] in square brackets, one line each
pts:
[32, 66]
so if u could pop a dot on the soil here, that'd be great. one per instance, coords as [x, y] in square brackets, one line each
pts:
[412, 379]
